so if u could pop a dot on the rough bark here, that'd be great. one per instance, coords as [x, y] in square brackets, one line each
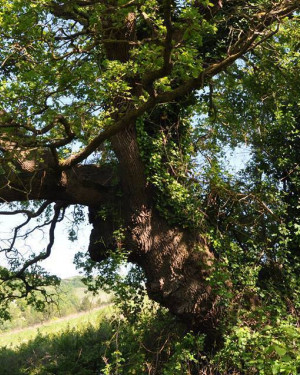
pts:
[176, 261]
[88, 185]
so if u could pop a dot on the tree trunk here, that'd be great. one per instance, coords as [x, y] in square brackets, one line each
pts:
[176, 261]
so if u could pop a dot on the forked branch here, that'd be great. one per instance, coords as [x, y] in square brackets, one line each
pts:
[59, 209]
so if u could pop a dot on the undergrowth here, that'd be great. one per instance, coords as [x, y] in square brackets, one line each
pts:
[155, 344]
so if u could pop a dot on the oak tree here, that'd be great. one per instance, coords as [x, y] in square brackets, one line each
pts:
[125, 107]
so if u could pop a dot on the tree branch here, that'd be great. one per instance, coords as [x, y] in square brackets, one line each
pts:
[30, 215]
[42, 256]
[64, 11]
[6, 121]
[244, 45]
[83, 184]
[150, 77]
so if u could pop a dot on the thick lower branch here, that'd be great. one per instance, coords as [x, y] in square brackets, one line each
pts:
[88, 185]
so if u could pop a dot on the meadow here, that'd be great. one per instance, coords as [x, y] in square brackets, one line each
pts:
[79, 321]
[100, 342]
[70, 345]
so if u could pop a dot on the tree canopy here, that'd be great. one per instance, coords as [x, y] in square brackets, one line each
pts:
[129, 108]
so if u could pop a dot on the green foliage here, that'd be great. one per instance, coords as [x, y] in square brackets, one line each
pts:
[12, 339]
[72, 351]
[169, 157]
[14, 290]
[266, 350]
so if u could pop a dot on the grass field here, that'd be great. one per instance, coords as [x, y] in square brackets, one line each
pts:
[78, 321]
[72, 345]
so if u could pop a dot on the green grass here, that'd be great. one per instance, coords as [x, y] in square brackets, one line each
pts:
[103, 343]
[74, 346]
[14, 338]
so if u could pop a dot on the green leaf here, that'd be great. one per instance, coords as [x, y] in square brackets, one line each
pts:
[281, 351]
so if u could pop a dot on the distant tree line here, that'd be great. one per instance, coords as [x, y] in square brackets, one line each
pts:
[72, 297]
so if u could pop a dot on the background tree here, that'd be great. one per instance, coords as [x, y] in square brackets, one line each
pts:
[116, 105]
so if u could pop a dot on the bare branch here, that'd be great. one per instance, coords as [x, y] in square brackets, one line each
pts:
[30, 214]
[42, 256]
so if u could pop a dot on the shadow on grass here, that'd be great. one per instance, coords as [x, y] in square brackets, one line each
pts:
[71, 352]
[154, 344]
